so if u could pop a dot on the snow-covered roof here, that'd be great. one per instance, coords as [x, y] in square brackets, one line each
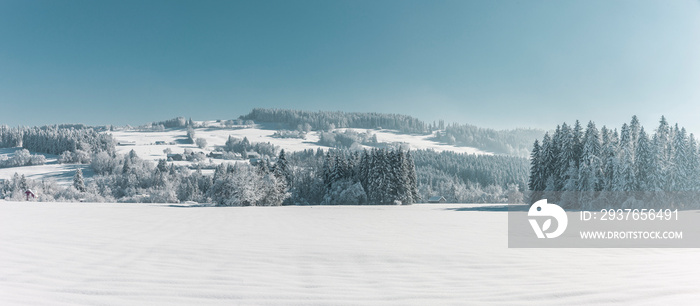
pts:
[252, 154]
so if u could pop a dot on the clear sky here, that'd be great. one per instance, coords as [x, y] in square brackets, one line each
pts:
[499, 64]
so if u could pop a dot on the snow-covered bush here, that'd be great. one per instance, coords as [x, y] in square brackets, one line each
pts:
[103, 163]
[353, 195]
[230, 156]
[246, 185]
[201, 143]
[22, 158]
[242, 146]
[346, 139]
[514, 195]
[345, 192]
[37, 159]
[165, 194]
[76, 157]
[190, 134]
[238, 186]
[289, 134]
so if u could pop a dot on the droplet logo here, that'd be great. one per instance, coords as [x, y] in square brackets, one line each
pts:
[543, 209]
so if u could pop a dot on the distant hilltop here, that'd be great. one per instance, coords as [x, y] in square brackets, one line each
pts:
[516, 142]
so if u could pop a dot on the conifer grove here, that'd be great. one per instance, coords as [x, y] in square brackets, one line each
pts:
[631, 168]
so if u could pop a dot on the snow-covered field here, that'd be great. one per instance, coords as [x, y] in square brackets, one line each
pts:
[140, 254]
[52, 171]
[145, 141]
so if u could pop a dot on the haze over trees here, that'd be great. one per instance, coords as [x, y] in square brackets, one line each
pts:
[331, 120]
[515, 142]
[511, 142]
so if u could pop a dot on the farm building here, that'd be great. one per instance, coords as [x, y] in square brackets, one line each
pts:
[216, 154]
[437, 199]
[175, 157]
[253, 155]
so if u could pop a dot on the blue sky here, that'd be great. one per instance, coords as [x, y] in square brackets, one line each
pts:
[499, 64]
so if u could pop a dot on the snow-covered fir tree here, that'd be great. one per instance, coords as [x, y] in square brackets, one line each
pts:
[78, 181]
[628, 169]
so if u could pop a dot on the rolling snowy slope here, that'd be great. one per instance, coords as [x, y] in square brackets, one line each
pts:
[145, 141]
[144, 144]
[136, 254]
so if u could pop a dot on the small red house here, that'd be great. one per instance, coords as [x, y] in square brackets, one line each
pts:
[29, 193]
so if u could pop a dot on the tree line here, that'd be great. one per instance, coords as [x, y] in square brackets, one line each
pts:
[323, 120]
[515, 142]
[605, 168]
[57, 139]
[389, 179]
[311, 177]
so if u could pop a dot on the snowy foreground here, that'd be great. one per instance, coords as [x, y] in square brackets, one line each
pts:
[141, 254]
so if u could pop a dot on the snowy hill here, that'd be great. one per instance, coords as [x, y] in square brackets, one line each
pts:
[216, 135]
[151, 145]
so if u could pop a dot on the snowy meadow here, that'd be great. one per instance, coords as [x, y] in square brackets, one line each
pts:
[156, 254]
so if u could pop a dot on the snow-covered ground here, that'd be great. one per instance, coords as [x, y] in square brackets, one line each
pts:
[144, 142]
[140, 254]
[52, 171]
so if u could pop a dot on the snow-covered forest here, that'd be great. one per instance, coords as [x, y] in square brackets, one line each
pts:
[467, 178]
[331, 120]
[56, 139]
[515, 142]
[511, 142]
[378, 176]
[606, 168]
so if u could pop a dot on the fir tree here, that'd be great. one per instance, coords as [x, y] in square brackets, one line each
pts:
[281, 168]
[548, 159]
[78, 181]
[635, 130]
[162, 166]
[643, 161]
[23, 183]
[536, 181]
[693, 164]
[412, 179]
[590, 168]
[569, 197]
[578, 142]
[609, 158]
[565, 155]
